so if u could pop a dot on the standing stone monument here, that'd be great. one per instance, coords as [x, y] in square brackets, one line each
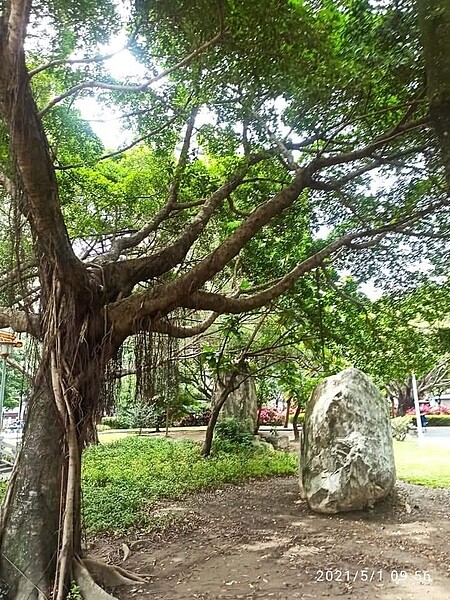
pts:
[242, 403]
[346, 451]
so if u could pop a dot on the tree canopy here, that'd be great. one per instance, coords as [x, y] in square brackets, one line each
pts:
[266, 141]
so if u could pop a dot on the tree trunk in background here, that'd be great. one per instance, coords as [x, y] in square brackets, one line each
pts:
[288, 409]
[258, 420]
[295, 423]
[434, 21]
[405, 399]
[217, 404]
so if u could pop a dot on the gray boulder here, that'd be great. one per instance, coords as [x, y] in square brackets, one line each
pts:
[279, 442]
[346, 450]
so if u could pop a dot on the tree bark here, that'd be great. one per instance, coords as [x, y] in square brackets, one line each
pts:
[295, 423]
[215, 411]
[434, 22]
[41, 518]
[288, 409]
[31, 515]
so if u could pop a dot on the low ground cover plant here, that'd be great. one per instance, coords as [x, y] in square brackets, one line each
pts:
[123, 480]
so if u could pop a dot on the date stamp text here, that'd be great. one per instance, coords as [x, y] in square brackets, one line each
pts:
[371, 575]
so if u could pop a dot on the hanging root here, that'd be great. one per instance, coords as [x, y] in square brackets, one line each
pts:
[92, 576]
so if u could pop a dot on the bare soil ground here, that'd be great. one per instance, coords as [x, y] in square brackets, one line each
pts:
[260, 541]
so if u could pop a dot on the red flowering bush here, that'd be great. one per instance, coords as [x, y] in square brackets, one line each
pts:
[427, 410]
[271, 416]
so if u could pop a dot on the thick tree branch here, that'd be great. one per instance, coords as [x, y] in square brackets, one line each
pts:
[7, 185]
[128, 273]
[177, 331]
[20, 321]
[208, 301]
[231, 247]
[35, 174]
[161, 300]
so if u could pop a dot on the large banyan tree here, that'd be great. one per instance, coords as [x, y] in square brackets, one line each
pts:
[255, 129]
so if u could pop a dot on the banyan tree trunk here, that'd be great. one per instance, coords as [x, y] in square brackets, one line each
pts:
[31, 516]
[41, 517]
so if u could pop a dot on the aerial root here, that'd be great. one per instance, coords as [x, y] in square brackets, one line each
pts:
[91, 576]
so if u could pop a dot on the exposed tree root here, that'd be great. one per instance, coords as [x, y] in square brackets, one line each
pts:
[111, 576]
[92, 576]
[88, 588]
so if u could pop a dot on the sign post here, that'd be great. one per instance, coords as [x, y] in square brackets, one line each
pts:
[417, 408]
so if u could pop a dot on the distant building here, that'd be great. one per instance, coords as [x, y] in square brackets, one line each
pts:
[443, 400]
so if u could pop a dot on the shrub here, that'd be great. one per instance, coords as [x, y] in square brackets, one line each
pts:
[232, 434]
[195, 416]
[435, 419]
[440, 410]
[442, 420]
[400, 426]
[115, 422]
[271, 416]
[103, 427]
[139, 415]
[427, 410]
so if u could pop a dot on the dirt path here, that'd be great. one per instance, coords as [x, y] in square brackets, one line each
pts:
[259, 541]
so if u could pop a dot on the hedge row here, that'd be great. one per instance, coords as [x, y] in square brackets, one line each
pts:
[433, 420]
[438, 420]
[118, 422]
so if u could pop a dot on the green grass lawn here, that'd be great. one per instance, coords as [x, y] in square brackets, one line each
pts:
[426, 465]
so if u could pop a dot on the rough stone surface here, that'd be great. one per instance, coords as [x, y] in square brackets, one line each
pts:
[280, 442]
[242, 403]
[346, 450]
[262, 444]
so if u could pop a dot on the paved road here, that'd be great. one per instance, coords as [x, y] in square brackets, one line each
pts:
[434, 436]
